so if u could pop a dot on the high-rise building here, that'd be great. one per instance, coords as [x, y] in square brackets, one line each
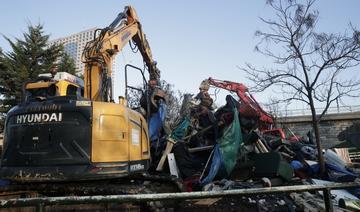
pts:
[74, 46]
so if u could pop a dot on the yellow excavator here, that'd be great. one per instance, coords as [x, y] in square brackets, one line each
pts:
[60, 136]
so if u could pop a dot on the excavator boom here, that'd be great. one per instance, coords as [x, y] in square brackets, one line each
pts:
[98, 54]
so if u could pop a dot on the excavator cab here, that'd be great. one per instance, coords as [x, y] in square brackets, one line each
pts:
[47, 86]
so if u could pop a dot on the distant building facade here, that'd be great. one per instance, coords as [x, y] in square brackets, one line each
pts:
[74, 46]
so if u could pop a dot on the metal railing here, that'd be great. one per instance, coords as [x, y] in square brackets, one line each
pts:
[42, 202]
[307, 112]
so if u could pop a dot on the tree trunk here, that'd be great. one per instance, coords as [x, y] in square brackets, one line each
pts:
[315, 124]
[319, 147]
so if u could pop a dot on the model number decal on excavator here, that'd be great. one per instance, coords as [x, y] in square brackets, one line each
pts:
[137, 167]
[83, 103]
[38, 117]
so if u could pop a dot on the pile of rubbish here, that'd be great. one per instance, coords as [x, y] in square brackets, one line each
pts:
[228, 148]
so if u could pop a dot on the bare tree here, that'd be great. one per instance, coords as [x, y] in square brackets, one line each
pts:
[174, 100]
[308, 66]
[134, 96]
[173, 97]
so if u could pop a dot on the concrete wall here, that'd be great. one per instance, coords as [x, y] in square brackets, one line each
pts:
[330, 126]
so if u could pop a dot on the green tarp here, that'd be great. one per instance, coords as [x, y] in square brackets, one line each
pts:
[229, 143]
[225, 151]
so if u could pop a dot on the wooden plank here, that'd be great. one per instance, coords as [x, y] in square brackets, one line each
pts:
[202, 148]
[169, 145]
[261, 146]
[206, 202]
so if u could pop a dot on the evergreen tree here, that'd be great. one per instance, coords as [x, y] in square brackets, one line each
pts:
[2, 89]
[2, 71]
[28, 58]
[66, 64]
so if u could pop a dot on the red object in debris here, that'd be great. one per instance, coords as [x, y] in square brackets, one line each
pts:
[249, 107]
[190, 181]
[278, 132]
[294, 138]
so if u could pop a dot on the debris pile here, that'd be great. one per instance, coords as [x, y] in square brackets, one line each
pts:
[233, 147]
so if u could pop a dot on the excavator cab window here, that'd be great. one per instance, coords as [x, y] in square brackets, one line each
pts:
[128, 87]
[73, 91]
[82, 91]
[43, 92]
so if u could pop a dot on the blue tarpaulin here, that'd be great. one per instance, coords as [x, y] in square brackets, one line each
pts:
[4, 182]
[335, 173]
[156, 121]
[217, 166]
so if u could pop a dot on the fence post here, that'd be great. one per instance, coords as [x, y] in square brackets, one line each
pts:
[40, 207]
[327, 199]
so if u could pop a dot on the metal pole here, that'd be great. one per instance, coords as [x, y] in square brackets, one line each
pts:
[327, 200]
[40, 207]
[126, 84]
[166, 196]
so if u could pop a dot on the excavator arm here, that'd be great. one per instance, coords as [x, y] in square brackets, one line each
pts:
[99, 53]
[249, 106]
